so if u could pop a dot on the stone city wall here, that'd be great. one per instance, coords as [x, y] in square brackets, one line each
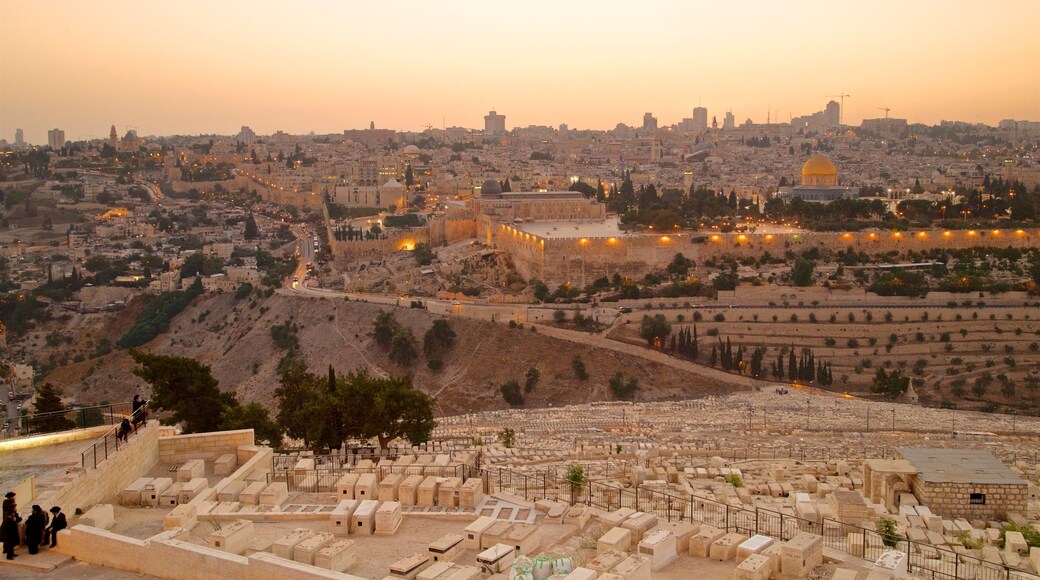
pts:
[952, 500]
[92, 486]
[205, 446]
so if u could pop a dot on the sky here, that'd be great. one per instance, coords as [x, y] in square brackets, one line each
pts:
[195, 67]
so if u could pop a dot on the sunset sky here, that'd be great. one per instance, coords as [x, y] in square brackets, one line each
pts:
[194, 67]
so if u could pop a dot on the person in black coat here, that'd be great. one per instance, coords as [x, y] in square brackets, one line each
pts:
[10, 505]
[58, 524]
[9, 534]
[34, 526]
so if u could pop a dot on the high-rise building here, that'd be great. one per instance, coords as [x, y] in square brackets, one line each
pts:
[700, 119]
[832, 114]
[246, 136]
[113, 138]
[494, 124]
[649, 122]
[19, 138]
[56, 138]
[730, 122]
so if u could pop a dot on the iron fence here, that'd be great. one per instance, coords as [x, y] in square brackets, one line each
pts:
[110, 442]
[78, 418]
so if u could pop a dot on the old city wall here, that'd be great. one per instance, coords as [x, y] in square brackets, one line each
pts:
[444, 231]
[349, 253]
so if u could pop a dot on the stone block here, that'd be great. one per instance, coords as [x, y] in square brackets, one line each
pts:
[700, 543]
[801, 554]
[754, 545]
[683, 531]
[447, 547]
[172, 495]
[494, 534]
[183, 516]
[131, 494]
[577, 515]
[634, 567]
[639, 523]
[283, 547]
[1034, 558]
[367, 487]
[448, 492]
[616, 539]
[231, 491]
[225, 464]
[190, 470]
[1013, 542]
[341, 516]
[579, 573]
[389, 486]
[275, 494]
[190, 489]
[437, 570]
[660, 547]
[426, 494]
[464, 573]
[337, 555]
[251, 494]
[233, 537]
[406, 492]
[605, 561]
[305, 551]
[475, 531]
[364, 519]
[151, 495]
[471, 492]
[345, 486]
[410, 566]
[616, 518]
[388, 518]
[754, 567]
[496, 559]
[725, 548]
[523, 537]
[100, 516]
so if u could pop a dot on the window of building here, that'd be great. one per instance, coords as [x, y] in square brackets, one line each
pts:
[977, 499]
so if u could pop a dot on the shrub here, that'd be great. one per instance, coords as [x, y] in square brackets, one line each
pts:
[734, 479]
[622, 389]
[720, 317]
[852, 343]
[511, 393]
[886, 528]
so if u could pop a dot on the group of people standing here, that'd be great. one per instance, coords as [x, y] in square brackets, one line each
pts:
[39, 527]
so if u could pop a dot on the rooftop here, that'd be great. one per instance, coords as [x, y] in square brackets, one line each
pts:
[562, 229]
[959, 466]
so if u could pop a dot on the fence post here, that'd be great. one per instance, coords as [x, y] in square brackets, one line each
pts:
[94, 447]
[756, 520]
[727, 519]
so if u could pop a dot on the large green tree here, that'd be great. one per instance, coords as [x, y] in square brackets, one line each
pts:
[802, 272]
[385, 409]
[49, 410]
[185, 388]
[654, 328]
[891, 384]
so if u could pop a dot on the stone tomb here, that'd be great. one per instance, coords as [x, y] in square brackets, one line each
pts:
[448, 492]
[151, 494]
[345, 486]
[616, 539]
[580, 573]
[283, 547]
[435, 571]
[171, 496]
[275, 494]
[225, 464]
[233, 538]
[475, 531]
[183, 516]
[635, 567]
[683, 531]
[471, 492]
[191, 489]
[337, 555]
[495, 534]
[754, 567]
[342, 515]
[131, 495]
[725, 548]
[406, 492]
[447, 547]
[463, 573]
[364, 519]
[700, 543]
[388, 518]
[367, 487]
[639, 523]
[523, 537]
[388, 487]
[496, 559]
[305, 551]
[660, 547]
[100, 516]
[410, 566]
[190, 470]
[801, 554]
[426, 494]
[231, 491]
[753, 545]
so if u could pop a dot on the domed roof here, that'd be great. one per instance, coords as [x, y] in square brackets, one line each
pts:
[411, 150]
[491, 187]
[819, 165]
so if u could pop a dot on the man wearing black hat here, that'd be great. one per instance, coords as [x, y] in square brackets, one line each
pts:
[58, 524]
[10, 506]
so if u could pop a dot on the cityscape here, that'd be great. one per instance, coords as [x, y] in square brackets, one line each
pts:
[634, 297]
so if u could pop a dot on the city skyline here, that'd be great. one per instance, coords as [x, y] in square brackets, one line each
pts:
[329, 67]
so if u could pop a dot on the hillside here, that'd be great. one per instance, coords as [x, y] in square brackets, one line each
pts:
[234, 337]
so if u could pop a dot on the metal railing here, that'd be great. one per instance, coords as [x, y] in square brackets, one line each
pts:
[925, 560]
[108, 444]
[78, 418]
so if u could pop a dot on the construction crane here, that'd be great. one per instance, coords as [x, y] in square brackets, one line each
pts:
[841, 113]
[885, 109]
[427, 126]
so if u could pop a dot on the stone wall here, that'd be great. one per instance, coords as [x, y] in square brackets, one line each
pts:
[206, 446]
[952, 500]
[92, 486]
[348, 253]
[53, 438]
[164, 556]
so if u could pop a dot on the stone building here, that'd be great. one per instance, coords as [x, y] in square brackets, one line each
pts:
[965, 483]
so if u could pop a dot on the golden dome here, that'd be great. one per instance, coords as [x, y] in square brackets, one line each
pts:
[819, 165]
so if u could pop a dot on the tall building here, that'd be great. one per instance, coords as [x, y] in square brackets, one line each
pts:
[649, 122]
[113, 138]
[246, 136]
[730, 122]
[56, 138]
[832, 114]
[494, 124]
[700, 119]
[19, 138]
